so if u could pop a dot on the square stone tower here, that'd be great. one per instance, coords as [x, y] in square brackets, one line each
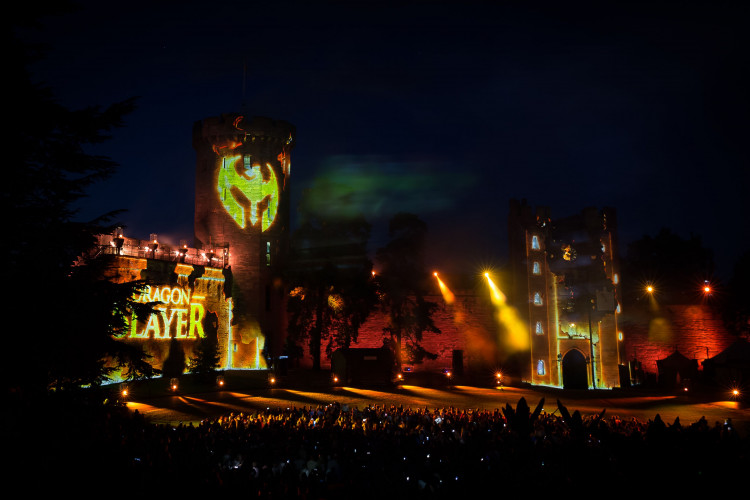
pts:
[242, 222]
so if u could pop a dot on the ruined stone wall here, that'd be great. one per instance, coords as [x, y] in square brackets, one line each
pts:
[468, 325]
[189, 302]
[696, 331]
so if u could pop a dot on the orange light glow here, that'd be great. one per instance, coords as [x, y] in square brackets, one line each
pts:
[498, 297]
[448, 296]
[508, 317]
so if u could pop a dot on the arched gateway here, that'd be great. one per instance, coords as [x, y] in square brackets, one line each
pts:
[575, 375]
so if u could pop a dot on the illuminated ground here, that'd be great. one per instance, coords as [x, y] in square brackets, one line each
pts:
[160, 406]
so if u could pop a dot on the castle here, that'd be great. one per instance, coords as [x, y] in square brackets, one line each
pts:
[228, 286]
[563, 278]
[565, 282]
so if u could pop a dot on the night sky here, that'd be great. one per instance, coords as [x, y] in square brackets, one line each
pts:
[444, 109]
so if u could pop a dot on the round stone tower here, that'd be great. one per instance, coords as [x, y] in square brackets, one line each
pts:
[242, 224]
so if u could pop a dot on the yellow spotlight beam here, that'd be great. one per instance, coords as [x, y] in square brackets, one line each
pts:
[498, 297]
[447, 294]
[507, 316]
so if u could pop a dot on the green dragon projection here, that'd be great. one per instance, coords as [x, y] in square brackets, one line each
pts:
[244, 191]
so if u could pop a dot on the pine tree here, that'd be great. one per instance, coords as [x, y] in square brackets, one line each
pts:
[207, 355]
[61, 320]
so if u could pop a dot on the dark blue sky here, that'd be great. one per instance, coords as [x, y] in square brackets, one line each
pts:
[445, 109]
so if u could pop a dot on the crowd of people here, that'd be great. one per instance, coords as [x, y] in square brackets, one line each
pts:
[336, 451]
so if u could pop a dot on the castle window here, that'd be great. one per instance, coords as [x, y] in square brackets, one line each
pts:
[539, 328]
[268, 253]
[616, 279]
[537, 299]
[540, 367]
[537, 268]
[535, 242]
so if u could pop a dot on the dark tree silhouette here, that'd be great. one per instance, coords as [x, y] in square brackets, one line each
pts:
[403, 281]
[60, 318]
[736, 305]
[207, 354]
[175, 364]
[677, 267]
[332, 291]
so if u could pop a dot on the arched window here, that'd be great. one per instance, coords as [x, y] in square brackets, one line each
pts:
[537, 299]
[540, 367]
[539, 328]
[537, 268]
[535, 242]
